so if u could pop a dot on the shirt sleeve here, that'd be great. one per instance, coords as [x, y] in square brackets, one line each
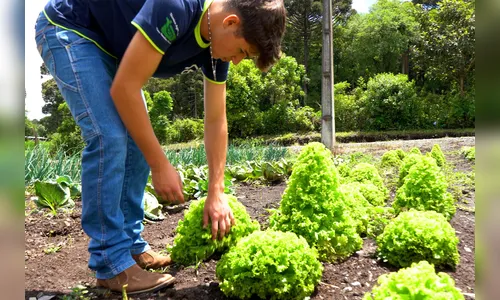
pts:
[162, 22]
[221, 69]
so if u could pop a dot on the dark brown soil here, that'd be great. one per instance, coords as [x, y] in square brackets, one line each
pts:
[55, 274]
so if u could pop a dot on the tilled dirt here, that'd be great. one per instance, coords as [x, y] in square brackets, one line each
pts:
[56, 247]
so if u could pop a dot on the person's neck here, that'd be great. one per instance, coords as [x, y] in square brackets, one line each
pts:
[214, 15]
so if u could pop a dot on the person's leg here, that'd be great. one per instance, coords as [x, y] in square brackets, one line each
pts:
[84, 75]
[132, 204]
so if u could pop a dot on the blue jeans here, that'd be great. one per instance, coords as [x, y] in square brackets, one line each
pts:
[114, 171]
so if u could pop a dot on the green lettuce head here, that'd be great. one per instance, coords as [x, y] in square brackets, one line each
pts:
[419, 281]
[271, 265]
[313, 207]
[419, 235]
[425, 188]
[193, 243]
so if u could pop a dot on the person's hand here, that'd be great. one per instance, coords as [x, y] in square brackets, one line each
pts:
[167, 183]
[217, 210]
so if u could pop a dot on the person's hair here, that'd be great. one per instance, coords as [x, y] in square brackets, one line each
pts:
[263, 27]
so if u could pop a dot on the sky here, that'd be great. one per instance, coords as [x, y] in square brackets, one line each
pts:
[33, 81]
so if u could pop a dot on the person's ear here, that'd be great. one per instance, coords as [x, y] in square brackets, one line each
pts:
[231, 20]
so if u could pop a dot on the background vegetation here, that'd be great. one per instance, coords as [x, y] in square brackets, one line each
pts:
[402, 66]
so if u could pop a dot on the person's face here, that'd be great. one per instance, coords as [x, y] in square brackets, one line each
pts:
[227, 46]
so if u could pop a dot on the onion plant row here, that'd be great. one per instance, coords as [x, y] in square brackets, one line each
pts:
[40, 164]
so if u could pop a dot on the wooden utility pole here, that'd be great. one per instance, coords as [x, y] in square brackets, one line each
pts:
[328, 113]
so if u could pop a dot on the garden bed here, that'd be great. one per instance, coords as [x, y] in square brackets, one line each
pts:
[56, 247]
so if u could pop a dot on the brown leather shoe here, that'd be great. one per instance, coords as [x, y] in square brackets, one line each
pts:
[138, 280]
[152, 260]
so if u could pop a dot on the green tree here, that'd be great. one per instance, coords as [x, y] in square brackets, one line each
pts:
[283, 83]
[53, 99]
[377, 42]
[160, 110]
[303, 39]
[446, 48]
[245, 89]
[68, 135]
[187, 94]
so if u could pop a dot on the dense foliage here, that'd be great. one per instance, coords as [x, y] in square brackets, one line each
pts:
[193, 243]
[271, 265]
[313, 207]
[425, 188]
[402, 65]
[419, 281]
[390, 103]
[419, 235]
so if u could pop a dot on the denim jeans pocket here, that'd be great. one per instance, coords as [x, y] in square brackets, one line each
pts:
[84, 121]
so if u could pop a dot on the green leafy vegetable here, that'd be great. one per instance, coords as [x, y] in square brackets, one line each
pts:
[425, 188]
[407, 163]
[392, 158]
[52, 195]
[313, 207]
[438, 155]
[419, 235]
[193, 243]
[419, 281]
[271, 265]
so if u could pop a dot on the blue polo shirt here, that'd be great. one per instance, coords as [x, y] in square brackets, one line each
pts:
[171, 26]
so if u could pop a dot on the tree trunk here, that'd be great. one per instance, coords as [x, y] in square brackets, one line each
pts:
[405, 63]
[462, 85]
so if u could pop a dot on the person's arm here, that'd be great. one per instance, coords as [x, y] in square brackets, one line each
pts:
[137, 66]
[216, 206]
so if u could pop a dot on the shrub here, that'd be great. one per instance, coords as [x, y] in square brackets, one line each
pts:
[184, 130]
[419, 281]
[425, 188]
[368, 173]
[271, 265]
[193, 243]
[462, 110]
[438, 155]
[245, 88]
[390, 103]
[313, 207]
[346, 108]
[304, 119]
[419, 235]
